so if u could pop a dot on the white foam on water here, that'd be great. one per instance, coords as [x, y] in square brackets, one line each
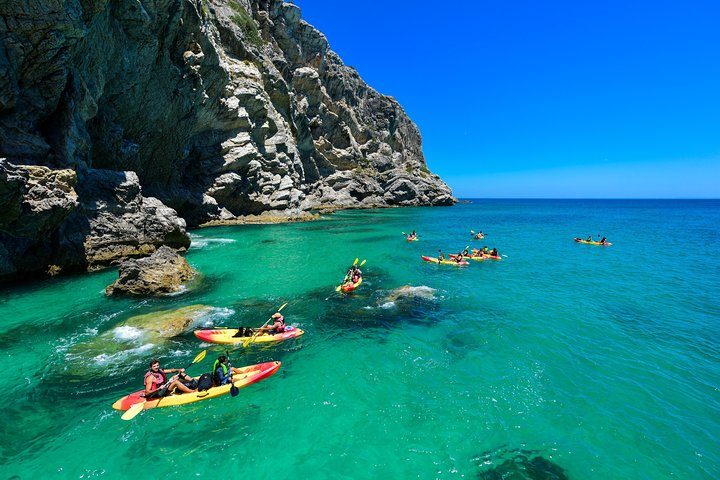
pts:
[125, 333]
[214, 315]
[388, 305]
[198, 241]
[104, 359]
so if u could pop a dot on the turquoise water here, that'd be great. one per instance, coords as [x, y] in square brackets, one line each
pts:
[604, 361]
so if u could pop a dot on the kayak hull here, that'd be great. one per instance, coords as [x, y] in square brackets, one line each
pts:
[249, 375]
[597, 244]
[349, 287]
[224, 336]
[444, 262]
[412, 239]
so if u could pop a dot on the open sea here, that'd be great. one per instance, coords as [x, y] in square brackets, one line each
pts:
[562, 361]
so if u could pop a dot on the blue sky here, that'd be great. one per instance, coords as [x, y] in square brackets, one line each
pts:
[547, 99]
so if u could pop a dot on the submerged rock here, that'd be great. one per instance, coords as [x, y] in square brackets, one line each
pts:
[161, 273]
[138, 334]
[518, 465]
[408, 291]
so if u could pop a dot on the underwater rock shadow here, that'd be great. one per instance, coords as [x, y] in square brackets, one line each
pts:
[517, 464]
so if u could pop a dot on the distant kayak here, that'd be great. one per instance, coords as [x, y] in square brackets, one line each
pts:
[479, 258]
[249, 375]
[580, 240]
[412, 239]
[349, 287]
[225, 336]
[445, 262]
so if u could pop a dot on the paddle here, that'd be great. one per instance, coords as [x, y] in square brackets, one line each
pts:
[233, 389]
[252, 339]
[132, 412]
[339, 287]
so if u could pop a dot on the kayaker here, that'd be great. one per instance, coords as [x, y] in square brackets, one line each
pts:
[278, 325]
[479, 236]
[484, 250]
[223, 371]
[475, 251]
[157, 384]
[357, 274]
[441, 257]
[589, 239]
[494, 253]
[465, 252]
[603, 241]
[459, 257]
[412, 235]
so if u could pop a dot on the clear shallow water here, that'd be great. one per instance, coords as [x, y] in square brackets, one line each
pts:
[604, 361]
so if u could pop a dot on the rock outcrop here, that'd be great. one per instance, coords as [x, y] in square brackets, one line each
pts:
[214, 109]
[161, 273]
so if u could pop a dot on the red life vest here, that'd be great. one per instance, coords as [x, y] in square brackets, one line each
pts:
[159, 378]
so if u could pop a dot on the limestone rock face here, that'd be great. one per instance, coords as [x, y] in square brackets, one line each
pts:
[161, 273]
[214, 109]
[34, 202]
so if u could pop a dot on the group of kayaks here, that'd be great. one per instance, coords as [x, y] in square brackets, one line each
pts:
[244, 376]
[460, 259]
[135, 402]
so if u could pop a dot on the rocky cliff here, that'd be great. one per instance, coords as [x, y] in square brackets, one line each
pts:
[124, 121]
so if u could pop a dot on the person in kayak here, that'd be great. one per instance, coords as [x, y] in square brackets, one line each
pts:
[603, 241]
[278, 325]
[412, 235]
[157, 384]
[493, 253]
[459, 257]
[484, 250]
[589, 239]
[223, 371]
[480, 235]
[441, 257]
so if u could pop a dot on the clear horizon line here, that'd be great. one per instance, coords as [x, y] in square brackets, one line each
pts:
[588, 198]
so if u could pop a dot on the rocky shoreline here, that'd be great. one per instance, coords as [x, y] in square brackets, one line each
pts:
[123, 124]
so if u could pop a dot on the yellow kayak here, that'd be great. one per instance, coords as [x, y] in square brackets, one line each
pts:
[606, 244]
[249, 375]
[225, 336]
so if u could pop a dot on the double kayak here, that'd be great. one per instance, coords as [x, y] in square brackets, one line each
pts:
[444, 262]
[248, 375]
[349, 287]
[580, 240]
[480, 257]
[226, 336]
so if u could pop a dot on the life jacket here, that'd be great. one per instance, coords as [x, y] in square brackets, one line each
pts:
[159, 378]
[217, 380]
[281, 328]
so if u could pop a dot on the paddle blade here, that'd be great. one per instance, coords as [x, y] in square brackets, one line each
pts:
[283, 306]
[132, 412]
[355, 262]
[363, 262]
[234, 390]
[199, 357]
[338, 288]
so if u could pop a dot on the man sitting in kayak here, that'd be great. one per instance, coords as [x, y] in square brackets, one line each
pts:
[459, 257]
[223, 371]
[589, 239]
[603, 241]
[412, 235]
[493, 253]
[441, 257]
[479, 236]
[278, 325]
[157, 384]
